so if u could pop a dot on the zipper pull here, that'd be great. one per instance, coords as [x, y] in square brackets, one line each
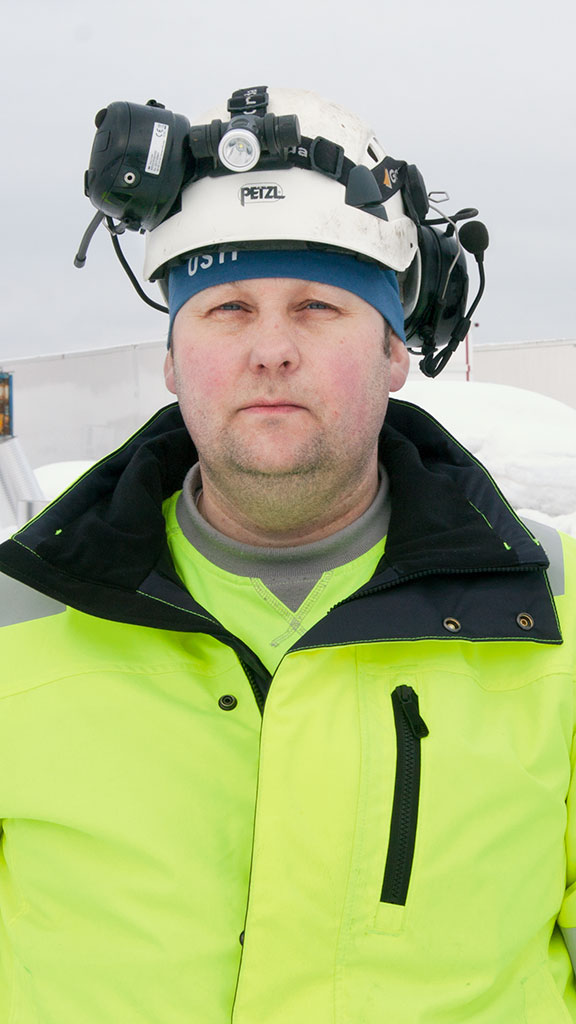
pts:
[409, 704]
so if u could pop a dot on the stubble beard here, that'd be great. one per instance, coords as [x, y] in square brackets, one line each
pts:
[281, 498]
[306, 494]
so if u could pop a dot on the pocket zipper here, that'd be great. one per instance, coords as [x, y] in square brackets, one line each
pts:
[410, 730]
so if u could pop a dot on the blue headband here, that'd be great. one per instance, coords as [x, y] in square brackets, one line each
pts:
[369, 281]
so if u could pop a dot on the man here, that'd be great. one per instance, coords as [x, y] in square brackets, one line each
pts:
[299, 749]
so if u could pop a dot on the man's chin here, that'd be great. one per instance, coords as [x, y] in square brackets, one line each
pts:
[274, 464]
[272, 454]
[274, 469]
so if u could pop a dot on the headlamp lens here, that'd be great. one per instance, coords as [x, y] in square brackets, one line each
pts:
[239, 150]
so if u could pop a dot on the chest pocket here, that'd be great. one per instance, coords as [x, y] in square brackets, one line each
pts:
[463, 790]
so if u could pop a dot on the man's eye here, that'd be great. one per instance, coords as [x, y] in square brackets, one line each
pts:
[230, 305]
[318, 305]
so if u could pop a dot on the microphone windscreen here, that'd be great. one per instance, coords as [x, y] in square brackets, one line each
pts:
[474, 237]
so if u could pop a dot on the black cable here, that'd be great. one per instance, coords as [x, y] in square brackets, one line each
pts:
[80, 258]
[124, 263]
[472, 309]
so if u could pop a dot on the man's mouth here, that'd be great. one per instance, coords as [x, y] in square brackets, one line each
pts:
[271, 405]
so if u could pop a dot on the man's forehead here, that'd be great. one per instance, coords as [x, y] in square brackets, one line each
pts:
[274, 286]
[340, 271]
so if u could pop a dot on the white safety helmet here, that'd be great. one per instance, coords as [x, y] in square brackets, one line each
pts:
[294, 205]
[276, 169]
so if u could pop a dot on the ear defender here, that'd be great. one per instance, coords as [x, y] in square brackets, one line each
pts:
[441, 300]
[436, 314]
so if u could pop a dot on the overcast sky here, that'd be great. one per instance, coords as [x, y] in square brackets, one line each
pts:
[480, 94]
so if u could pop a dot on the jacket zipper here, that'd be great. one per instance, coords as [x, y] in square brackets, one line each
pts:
[259, 683]
[410, 730]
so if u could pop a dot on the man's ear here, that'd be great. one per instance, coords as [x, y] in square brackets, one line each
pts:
[399, 362]
[169, 373]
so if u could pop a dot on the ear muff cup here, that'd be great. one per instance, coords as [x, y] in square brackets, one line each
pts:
[432, 319]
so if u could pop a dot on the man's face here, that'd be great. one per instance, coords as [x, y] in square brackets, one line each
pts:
[282, 377]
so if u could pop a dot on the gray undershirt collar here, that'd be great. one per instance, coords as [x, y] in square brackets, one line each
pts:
[289, 572]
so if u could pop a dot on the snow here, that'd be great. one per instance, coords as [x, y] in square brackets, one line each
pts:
[52, 479]
[56, 477]
[527, 442]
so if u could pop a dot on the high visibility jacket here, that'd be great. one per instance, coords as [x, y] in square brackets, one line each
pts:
[379, 832]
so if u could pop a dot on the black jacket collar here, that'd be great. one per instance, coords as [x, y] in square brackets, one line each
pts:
[101, 547]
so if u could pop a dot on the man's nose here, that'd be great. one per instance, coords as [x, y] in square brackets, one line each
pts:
[274, 345]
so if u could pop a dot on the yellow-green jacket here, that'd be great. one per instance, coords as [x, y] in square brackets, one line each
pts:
[377, 833]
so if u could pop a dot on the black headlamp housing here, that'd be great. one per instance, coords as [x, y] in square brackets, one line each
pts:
[139, 163]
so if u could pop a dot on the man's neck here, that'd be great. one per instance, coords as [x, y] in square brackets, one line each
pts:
[288, 572]
[276, 519]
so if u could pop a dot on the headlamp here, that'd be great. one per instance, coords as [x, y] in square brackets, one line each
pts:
[143, 156]
[239, 148]
[238, 144]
